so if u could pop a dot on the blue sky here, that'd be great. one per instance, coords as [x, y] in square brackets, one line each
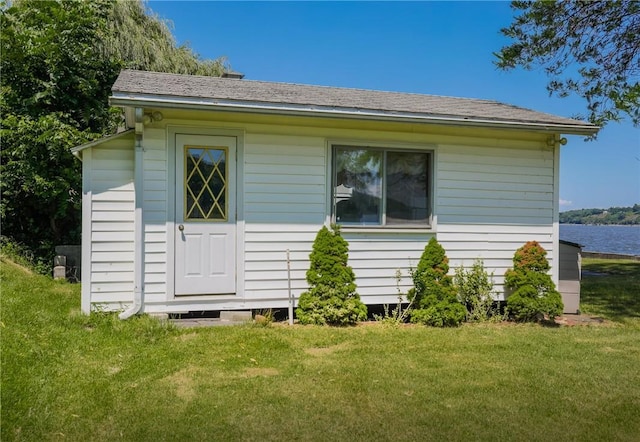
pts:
[440, 48]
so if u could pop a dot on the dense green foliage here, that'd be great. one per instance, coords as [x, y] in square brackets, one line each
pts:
[142, 40]
[534, 294]
[331, 298]
[595, 45]
[54, 95]
[475, 291]
[59, 60]
[433, 294]
[67, 376]
[612, 215]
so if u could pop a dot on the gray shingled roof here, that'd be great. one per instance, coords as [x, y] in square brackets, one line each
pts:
[132, 86]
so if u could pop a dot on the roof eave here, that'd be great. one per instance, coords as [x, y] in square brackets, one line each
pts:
[132, 100]
[77, 151]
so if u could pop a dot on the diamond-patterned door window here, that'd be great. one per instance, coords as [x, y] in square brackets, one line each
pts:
[205, 185]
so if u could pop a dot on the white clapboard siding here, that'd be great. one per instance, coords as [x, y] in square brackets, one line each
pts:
[284, 207]
[155, 207]
[112, 206]
[490, 201]
[376, 258]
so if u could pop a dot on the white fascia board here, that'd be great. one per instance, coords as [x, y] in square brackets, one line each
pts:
[124, 99]
[76, 150]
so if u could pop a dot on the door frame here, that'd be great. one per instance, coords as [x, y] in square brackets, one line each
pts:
[171, 132]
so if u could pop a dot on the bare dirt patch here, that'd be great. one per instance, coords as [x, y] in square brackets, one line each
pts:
[325, 351]
[186, 337]
[574, 320]
[183, 383]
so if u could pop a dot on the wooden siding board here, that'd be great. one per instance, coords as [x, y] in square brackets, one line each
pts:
[274, 201]
[160, 185]
[505, 195]
[494, 203]
[276, 218]
[111, 276]
[124, 196]
[110, 152]
[111, 175]
[101, 186]
[482, 177]
[287, 179]
[154, 165]
[117, 226]
[109, 267]
[293, 158]
[112, 246]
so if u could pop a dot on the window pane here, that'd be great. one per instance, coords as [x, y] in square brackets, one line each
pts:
[358, 191]
[407, 188]
[205, 183]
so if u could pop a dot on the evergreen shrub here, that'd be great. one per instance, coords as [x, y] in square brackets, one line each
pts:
[534, 294]
[433, 294]
[331, 298]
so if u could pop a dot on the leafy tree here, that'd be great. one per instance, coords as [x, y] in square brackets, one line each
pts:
[142, 40]
[59, 60]
[598, 39]
[612, 215]
[433, 295]
[54, 95]
[331, 298]
[534, 293]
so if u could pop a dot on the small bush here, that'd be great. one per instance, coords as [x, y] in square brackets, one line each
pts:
[264, 317]
[398, 315]
[475, 292]
[433, 295]
[331, 298]
[534, 294]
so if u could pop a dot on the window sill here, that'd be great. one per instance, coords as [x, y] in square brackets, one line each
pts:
[386, 229]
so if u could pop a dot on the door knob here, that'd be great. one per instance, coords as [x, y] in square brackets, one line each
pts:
[181, 227]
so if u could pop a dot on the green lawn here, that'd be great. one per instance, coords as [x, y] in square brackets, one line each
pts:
[66, 376]
[615, 292]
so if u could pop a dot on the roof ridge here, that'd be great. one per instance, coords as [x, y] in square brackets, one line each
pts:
[343, 88]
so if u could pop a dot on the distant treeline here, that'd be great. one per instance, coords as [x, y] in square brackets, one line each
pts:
[612, 215]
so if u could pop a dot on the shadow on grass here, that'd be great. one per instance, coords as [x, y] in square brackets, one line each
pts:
[548, 323]
[615, 293]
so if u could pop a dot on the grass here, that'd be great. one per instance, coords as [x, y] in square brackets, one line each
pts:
[611, 289]
[66, 376]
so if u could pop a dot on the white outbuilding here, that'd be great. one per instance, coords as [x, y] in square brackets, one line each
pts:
[194, 207]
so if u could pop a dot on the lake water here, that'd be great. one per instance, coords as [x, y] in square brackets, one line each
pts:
[623, 240]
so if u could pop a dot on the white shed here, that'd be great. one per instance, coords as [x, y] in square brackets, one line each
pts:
[195, 207]
[570, 275]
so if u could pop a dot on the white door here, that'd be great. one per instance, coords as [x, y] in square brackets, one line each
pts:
[205, 227]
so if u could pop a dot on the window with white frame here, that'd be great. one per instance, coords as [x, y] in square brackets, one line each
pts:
[375, 186]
